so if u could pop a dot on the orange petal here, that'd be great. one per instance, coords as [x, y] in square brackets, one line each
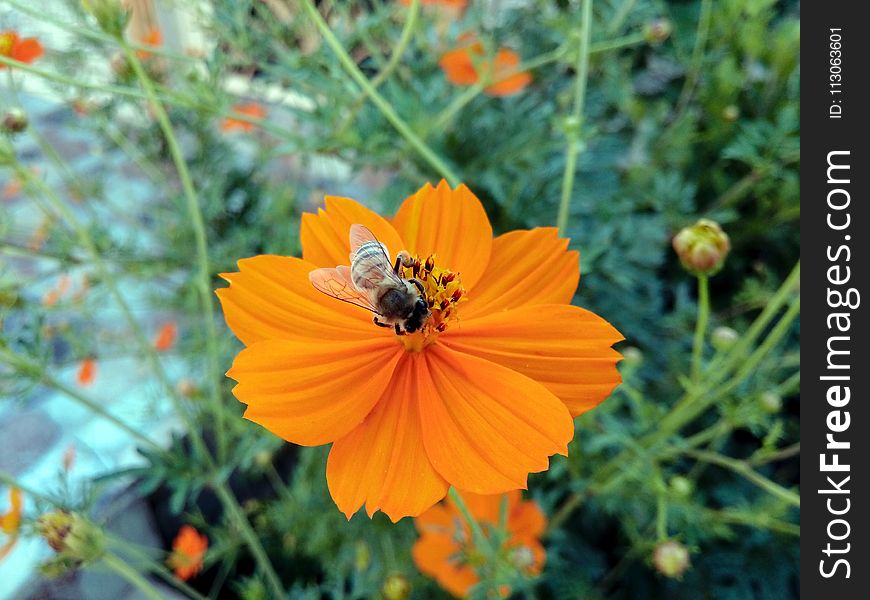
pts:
[564, 347]
[506, 80]
[436, 520]
[487, 427]
[313, 393]
[435, 555]
[383, 462]
[527, 520]
[324, 236]
[271, 298]
[27, 50]
[451, 224]
[458, 67]
[527, 267]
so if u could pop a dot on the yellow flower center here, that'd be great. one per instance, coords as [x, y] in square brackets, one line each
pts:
[442, 289]
[6, 41]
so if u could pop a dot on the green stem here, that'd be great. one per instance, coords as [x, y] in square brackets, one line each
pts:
[574, 124]
[387, 70]
[131, 575]
[200, 240]
[759, 520]
[744, 470]
[480, 540]
[620, 16]
[232, 507]
[443, 118]
[697, 57]
[386, 109]
[700, 326]
[618, 43]
[37, 372]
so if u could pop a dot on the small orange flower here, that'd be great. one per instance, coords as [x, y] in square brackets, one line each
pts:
[478, 404]
[10, 521]
[188, 550]
[166, 337]
[24, 50]
[153, 38]
[251, 109]
[467, 64]
[87, 372]
[445, 549]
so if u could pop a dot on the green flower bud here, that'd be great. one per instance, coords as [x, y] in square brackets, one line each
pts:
[658, 30]
[632, 357]
[702, 248]
[396, 587]
[681, 486]
[731, 113]
[671, 559]
[14, 121]
[76, 540]
[770, 402]
[724, 338]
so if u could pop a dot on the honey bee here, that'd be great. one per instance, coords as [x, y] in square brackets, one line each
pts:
[373, 282]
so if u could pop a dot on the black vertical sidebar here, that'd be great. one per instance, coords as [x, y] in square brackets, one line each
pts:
[835, 342]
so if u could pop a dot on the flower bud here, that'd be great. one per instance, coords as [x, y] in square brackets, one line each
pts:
[396, 587]
[770, 402]
[111, 15]
[724, 338]
[14, 121]
[361, 556]
[632, 357]
[731, 113]
[186, 387]
[671, 559]
[658, 30]
[72, 536]
[702, 248]
[681, 486]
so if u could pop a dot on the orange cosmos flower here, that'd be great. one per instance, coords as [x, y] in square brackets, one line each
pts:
[10, 521]
[24, 50]
[467, 64]
[480, 398]
[166, 337]
[251, 109]
[87, 372]
[153, 38]
[445, 549]
[188, 550]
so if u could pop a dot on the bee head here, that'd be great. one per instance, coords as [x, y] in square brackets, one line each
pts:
[418, 316]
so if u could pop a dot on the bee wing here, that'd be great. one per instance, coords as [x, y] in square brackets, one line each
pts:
[359, 235]
[337, 284]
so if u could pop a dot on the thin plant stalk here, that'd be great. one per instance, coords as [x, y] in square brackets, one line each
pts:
[198, 224]
[480, 539]
[36, 371]
[387, 70]
[574, 124]
[132, 576]
[385, 107]
[701, 325]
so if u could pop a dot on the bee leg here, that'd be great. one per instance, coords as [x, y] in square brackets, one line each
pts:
[419, 285]
[399, 330]
[398, 264]
[378, 323]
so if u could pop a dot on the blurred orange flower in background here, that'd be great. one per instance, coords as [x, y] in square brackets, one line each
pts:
[251, 109]
[188, 550]
[10, 521]
[478, 406]
[165, 339]
[467, 64]
[87, 372]
[153, 38]
[24, 50]
[445, 549]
